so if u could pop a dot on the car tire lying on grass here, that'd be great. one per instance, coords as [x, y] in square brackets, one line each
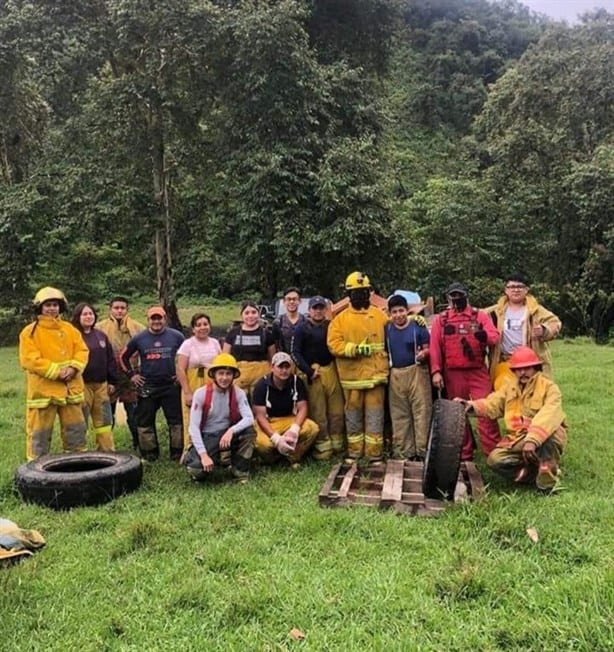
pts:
[73, 479]
[442, 461]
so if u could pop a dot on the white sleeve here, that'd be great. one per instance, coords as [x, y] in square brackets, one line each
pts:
[196, 415]
[247, 417]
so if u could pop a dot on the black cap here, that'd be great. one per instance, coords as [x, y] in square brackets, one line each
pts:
[457, 287]
[317, 301]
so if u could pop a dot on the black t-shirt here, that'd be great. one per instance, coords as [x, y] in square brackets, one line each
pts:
[249, 346]
[282, 401]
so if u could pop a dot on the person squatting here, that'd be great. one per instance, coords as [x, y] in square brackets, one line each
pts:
[315, 384]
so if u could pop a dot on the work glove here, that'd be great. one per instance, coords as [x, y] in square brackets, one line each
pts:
[281, 444]
[481, 335]
[419, 319]
[364, 349]
[291, 435]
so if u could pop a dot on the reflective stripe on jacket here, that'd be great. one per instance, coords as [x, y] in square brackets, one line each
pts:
[45, 348]
[352, 327]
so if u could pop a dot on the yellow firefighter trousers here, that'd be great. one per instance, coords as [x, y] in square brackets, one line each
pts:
[98, 406]
[197, 377]
[251, 373]
[39, 427]
[411, 402]
[507, 460]
[326, 409]
[364, 422]
[266, 449]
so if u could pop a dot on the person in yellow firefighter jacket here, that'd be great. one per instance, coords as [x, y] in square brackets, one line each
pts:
[356, 339]
[53, 354]
[536, 428]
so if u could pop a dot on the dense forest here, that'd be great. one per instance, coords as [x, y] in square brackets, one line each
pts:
[227, 148]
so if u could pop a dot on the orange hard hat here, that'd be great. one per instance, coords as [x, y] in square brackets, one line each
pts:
[524, 356]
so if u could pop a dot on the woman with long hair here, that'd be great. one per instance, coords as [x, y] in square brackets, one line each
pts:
[252, 345]
[99, 375]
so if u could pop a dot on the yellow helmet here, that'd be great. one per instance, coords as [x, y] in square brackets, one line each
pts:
[224, 361]
[357, 281]
[48, 294]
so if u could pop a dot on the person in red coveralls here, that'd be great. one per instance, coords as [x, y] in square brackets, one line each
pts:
[460, 336]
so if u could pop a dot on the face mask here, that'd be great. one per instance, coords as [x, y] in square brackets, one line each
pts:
[359, 298]
[459, 302]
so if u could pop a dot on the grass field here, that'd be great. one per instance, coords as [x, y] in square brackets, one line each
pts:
[178, 566]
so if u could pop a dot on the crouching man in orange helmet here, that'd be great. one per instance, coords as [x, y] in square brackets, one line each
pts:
[536, 429]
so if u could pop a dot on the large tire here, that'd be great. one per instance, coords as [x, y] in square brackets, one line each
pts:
[74, 479]
[442, 461]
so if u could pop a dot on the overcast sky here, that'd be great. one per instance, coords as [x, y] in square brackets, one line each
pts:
[567, 9]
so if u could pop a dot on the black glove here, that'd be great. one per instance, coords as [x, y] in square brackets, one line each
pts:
[481, 335]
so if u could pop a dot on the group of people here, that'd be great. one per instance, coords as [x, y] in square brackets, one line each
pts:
[308, 384]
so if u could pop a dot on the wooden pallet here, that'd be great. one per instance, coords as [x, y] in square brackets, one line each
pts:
[395, 485]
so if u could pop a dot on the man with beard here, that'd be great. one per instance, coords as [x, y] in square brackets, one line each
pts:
[460, 336]
[536, 430]
[356, 339]
[313, 358]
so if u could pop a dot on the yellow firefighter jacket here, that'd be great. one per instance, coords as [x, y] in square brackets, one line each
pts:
[534, 412]
[536, 315]
[45, 348]
[350, 328]
[119, 332]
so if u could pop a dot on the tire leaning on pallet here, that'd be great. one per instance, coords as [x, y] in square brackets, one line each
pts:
[74, 479]
[442, 461]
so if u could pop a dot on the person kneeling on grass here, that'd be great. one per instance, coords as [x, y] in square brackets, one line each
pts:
[220, 420]
[280, 406]
[535, 421]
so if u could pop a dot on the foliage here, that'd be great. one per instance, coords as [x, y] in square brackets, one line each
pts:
[230, 148]
[551, 158]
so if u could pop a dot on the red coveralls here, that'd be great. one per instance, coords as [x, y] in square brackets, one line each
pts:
[458, 355]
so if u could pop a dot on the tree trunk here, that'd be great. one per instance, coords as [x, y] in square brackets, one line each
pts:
[164, 270]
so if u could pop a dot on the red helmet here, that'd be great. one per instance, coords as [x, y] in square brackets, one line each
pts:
[524, 356]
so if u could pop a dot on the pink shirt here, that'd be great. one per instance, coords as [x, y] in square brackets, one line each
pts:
[199, 353]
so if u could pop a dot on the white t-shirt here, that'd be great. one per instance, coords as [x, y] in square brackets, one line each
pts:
[198, 352]
[512, 335]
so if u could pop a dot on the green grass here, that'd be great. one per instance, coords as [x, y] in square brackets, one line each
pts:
[177, 566]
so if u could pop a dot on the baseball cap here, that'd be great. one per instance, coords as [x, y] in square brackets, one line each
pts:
[156, 310]
[456, 287]
[279, 358]
[317, 301]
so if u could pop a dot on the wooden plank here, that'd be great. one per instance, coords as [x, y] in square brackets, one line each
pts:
[476, 483]
[324, 496]
[412, 484]
[393, 483]
[412, 497]
[347, 481]
[397, 485]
